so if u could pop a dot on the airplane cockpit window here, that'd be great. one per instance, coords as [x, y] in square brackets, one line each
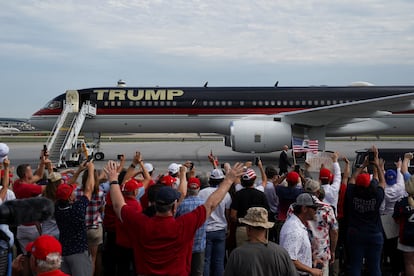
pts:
[53, 105]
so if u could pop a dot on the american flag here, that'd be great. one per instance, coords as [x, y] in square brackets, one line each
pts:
[304, 145]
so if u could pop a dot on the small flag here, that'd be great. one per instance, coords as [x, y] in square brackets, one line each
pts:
[304, 145]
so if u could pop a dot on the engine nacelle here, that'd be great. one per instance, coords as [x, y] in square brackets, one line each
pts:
[253, 136]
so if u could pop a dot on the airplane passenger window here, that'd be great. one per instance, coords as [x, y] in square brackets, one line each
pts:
[106, 104]
[328, 102]
[290, 102]
[149, 103]
[316, 102]
[162, 103]
[205, 103]
[217, 103]
[119, 103]
[279, 103]
[297, 103]
[137, 103]
[333, 101]
[155, 103]
[266, 103]
[223, 103]
[309, 102]
[284, 102]
[144, 103]
[322, 102]
[261, 103]
[241, 103]
[254, 103]
[168, 103]
[174, 103]
[272, 102]
[303, 102]
[229, 103]
[211, 103]
[112, 103]
[131, 103]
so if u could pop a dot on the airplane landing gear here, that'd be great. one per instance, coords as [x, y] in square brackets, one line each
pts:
[99, 156]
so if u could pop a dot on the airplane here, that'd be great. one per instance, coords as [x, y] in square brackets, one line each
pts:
[8, 130]
[252, 119]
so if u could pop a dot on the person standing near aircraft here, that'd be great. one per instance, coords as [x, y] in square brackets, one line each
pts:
[167, 251]
[284, 162]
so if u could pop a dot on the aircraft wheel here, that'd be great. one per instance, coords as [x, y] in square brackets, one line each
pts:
[99, 156]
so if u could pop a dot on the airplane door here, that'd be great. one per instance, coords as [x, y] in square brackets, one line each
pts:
[72, 98]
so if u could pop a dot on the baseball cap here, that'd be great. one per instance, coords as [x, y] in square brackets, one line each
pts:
[4, 151]
[324, 174]
[173, 168]
[306, 199]
[54, 176]
[249, 174]
[166, 195]
[363, 179]
[131, 185]
[167, 180]
[64, 191]
[149, 167]
[43, 246]
[217, 174]
[193, 183]
[292, 177]
[312, 186]
[391, 177]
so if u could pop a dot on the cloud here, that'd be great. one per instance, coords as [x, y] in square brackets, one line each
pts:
[261, 31]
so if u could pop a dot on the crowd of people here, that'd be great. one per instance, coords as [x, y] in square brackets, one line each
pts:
[127, 220]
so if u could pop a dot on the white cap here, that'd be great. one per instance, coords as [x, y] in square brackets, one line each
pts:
[173, 168]
[217, 174]
[149, 167]
[4, 150]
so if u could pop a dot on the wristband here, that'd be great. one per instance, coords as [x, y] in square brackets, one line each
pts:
[114, 182]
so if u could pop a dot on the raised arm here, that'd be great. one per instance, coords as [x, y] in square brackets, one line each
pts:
[90, 182]
[378, 168]
[215, 198]
[6, 179]
[115, 191]
[262, 173]
[74, 178]
[347, 170]
[183, 183]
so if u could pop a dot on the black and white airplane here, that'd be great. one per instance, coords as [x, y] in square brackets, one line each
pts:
[252, 119]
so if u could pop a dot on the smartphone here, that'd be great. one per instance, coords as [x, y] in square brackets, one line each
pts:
[192, 165]
[256, 160]
[119, 156]
[44, 150]
[371, 156]
[90, 157]
[222, 165]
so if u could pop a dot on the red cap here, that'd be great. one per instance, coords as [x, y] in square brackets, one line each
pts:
[363, 179]
[324, 174]
[64, 191]
[43, 246]
[131, 185]
[193, 183]
[292, 177]
[167, 180]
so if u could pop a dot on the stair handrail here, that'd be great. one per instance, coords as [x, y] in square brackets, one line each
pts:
[67, 108]
[76, 125]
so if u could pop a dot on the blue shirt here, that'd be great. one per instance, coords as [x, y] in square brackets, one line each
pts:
[70, 219]
[188, 205]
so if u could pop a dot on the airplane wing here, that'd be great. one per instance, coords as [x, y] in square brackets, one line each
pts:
[347, 112]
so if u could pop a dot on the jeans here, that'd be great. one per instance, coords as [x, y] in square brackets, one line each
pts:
[215, 252]
[364, 245]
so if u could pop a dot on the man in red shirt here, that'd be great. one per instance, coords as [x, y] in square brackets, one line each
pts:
[26, 187]
[163, 244]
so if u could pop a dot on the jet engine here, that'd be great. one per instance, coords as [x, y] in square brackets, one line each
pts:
[259, 136]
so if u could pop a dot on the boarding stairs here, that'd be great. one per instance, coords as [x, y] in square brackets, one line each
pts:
[66, 131]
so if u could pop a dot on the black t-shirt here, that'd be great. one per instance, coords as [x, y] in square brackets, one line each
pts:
[405, 213]
[246, 198]
[363, 213]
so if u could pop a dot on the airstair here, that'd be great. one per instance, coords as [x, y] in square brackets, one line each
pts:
[65, 133]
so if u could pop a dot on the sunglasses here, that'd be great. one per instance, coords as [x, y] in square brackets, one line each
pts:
[313, 207]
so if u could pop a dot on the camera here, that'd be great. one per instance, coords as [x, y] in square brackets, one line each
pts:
[256, 160]
[45, 150]
[119, 156]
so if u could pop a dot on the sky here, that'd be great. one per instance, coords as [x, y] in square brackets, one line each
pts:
[50, 46]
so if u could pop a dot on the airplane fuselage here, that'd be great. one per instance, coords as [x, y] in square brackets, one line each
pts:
[215, 109]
